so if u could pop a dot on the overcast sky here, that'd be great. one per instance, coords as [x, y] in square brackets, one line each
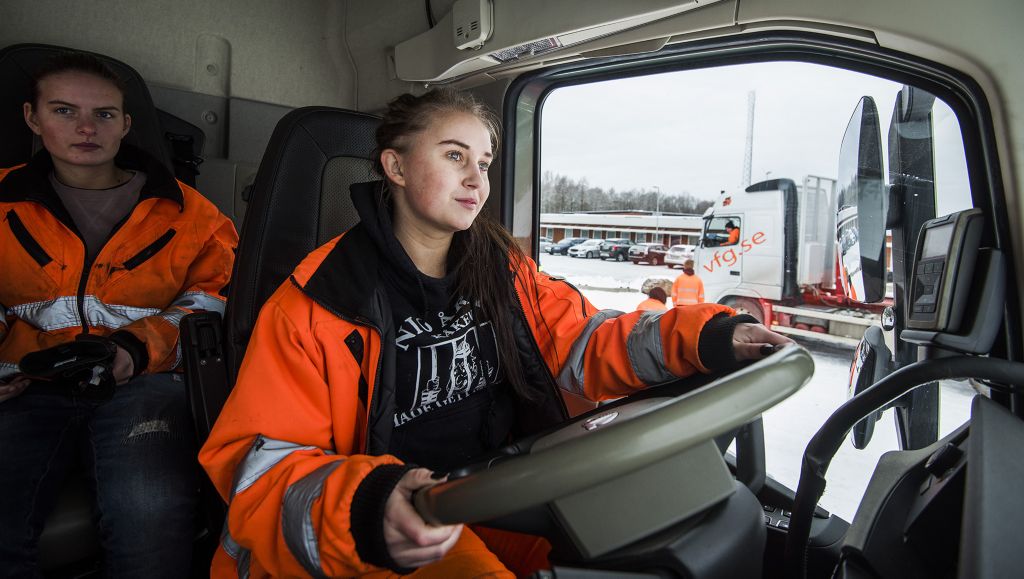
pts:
[686, 131]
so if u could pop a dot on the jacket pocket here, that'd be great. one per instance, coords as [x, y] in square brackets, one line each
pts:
[28, 243]
[149, 251]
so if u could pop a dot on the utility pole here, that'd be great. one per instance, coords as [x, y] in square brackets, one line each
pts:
[657, 212]
[748, 155]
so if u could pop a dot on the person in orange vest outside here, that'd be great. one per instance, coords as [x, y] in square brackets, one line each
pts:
[734, 233]
[422, 336]
[655, 300]
[688, 289]
[103, 252]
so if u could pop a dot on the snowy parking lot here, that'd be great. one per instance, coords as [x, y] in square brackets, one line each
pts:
[789, 425]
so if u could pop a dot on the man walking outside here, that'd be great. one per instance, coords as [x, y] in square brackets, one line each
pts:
[688, 288]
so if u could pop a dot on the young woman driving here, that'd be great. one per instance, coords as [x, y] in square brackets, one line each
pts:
[422, 336]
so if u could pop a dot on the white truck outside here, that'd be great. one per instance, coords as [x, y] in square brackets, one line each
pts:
[779, 264]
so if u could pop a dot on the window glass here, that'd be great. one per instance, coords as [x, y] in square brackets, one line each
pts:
[645, 157]
[717, 231]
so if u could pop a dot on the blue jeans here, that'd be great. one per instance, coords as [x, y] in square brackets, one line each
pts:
[139, 451]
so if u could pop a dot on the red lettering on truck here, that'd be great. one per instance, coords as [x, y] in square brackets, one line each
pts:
[731, 256]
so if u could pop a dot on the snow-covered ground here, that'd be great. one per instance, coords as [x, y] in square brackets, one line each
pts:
[789, 425]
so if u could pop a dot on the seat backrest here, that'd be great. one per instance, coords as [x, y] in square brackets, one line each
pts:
[17, 64]
[299, 200]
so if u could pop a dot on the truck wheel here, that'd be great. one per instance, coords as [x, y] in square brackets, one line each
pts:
[636, 262]
[620, 257]
[745, 306]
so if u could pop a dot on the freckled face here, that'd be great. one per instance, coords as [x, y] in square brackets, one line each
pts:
[79, 118]
[441, 183]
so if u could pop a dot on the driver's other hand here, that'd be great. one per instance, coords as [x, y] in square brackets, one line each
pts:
[747, 340]
[13, 386]
[411, 541]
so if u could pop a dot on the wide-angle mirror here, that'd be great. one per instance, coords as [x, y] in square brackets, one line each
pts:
[862, 207]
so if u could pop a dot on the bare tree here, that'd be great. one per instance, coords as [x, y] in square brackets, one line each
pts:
[560, 194]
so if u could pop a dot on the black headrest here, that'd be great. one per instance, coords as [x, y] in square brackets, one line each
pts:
[18, 62]
[300, 200]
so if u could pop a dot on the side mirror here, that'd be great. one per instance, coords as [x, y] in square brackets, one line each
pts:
[862, 207]
[872, 361]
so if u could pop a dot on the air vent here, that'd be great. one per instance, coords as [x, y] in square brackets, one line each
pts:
[471, 23]
[528, 49]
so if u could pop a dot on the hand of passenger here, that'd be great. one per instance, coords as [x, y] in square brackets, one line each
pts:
[123, 368]
[747, 340]
[13, 386]
[411, 541]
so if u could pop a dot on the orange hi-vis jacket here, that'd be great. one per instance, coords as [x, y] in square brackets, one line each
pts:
[172, 255]
[687, 290]
[303, 438]
[734, 236]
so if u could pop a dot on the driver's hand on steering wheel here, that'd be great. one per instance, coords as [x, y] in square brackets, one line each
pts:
[748, 340]
[411, 541]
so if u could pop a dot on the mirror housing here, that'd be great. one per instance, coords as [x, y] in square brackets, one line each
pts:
[872, 361]
[862, 207]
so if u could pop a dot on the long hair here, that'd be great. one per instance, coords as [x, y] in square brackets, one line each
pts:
[481, 253]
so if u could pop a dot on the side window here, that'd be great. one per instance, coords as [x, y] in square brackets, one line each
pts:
[717, 231]
[694, 157]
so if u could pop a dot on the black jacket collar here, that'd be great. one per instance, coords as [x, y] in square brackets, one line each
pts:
[32, 183]
[346, 282]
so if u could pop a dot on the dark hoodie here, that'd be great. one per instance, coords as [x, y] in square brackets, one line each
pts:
[451, 401]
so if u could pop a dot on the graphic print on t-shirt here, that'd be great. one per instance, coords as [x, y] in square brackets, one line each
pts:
[446, 359]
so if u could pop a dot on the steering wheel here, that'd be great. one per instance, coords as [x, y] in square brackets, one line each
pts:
[581, 467]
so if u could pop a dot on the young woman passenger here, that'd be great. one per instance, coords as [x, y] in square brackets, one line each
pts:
[422, 336]
[98, 238]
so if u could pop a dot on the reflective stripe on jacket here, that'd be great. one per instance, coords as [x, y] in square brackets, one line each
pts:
[687, 290]
[310, 415]
[171, 255]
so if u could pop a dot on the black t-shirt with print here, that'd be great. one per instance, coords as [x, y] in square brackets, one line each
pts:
[452, 404]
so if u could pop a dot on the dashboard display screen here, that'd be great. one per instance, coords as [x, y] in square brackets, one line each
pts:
[936, 241]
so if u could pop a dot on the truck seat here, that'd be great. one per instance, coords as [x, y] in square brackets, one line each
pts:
[300, 200]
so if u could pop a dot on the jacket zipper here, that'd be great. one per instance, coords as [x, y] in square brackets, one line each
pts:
[29, 243]
[150, 250]
[583, 307]
[360, 321]
[87, 263]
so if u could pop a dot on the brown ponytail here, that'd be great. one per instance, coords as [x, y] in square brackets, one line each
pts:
[479, 256]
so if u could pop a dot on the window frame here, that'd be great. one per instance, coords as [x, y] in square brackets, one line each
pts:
[523, 112]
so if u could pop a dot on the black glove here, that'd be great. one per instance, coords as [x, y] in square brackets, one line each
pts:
[83, 366]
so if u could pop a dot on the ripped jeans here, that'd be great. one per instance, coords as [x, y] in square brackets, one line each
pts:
[137, 449]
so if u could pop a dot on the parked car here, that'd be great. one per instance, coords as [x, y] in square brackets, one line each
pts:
[677, 254]
[652, 253]
[544, 243]
[588, 249]
[562, 247]
[615, 248]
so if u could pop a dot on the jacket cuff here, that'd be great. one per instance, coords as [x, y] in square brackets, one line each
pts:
[714, 347]
[135, 347]
[367, 515]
